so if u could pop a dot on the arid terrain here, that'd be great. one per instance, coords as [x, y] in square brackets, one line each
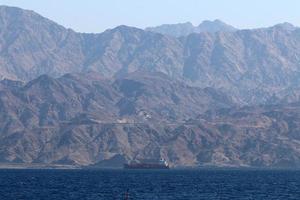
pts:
[208, 95]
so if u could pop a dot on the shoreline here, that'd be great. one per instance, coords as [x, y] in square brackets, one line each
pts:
[38, 166]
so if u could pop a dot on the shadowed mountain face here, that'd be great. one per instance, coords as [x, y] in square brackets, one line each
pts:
[185, 29]
[129, 94]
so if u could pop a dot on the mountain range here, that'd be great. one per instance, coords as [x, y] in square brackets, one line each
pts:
[38, 118]
[251, 65]
[210, 95]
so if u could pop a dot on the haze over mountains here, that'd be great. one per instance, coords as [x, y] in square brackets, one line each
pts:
[197, 96]
[185, 29]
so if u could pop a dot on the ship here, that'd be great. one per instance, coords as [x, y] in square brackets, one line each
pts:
[148, 164]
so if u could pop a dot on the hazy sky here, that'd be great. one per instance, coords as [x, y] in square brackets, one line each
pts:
[98, 15]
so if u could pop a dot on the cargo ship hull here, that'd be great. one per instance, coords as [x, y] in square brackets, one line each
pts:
[145, 166]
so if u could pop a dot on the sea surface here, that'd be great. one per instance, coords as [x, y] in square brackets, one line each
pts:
[152, 184]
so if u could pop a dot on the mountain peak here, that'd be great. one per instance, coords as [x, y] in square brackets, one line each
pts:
[175, 30]
[216, 21]
[285, 26]
[214, 26]
[7, 12]
[12, 8]
[184, 29]
[17, 18]
[124, 29]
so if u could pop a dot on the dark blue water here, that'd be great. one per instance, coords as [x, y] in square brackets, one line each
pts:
[172, 184]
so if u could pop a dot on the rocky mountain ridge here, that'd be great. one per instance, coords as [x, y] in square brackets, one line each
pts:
[185, 29]
[250, 65]
[37, 119]
[214, 98]
[86, 119]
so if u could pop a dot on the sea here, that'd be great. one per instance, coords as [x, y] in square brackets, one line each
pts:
[208, 184]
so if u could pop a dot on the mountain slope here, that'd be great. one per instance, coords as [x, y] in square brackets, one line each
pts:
[80, 119]
[31, 45]
[249, 65]
[129, 94]
[53, 120]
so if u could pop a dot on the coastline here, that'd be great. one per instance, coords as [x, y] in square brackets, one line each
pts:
[39, 166]
[36, 166]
